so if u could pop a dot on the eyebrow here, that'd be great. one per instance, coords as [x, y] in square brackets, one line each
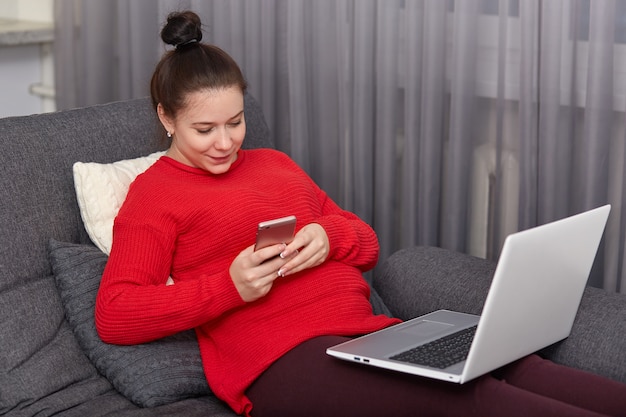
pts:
[212, 123]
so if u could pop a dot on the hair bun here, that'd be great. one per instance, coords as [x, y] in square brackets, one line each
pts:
[182, 28]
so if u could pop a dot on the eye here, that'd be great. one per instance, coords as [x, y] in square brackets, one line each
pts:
[204, 131]
[235, 123]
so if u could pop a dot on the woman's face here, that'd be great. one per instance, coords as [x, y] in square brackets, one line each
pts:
[209, 131]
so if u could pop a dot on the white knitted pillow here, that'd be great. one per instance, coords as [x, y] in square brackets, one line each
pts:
[101, 190]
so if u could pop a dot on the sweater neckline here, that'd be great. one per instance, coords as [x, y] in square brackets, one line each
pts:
[241, 154]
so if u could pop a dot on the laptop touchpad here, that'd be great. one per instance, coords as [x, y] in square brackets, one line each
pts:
[425, 328]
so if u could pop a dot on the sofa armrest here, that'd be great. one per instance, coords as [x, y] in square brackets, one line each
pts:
[597, 342]
[419, 280]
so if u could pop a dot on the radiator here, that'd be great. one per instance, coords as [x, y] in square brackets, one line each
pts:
[484, 198]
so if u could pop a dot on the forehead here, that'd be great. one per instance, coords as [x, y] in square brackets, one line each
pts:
[212, 106]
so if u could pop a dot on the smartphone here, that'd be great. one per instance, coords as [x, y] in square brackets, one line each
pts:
[275, 231]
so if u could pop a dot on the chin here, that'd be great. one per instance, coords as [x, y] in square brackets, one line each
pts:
[217, 170]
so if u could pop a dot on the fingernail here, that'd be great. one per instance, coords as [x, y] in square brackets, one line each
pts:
[281, 273]
[282, 255]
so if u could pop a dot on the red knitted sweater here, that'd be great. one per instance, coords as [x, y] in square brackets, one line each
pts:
[190, 224]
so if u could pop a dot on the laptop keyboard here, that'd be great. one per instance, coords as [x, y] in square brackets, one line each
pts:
[440, 353]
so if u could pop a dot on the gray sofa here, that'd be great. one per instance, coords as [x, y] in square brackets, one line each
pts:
[52, 364]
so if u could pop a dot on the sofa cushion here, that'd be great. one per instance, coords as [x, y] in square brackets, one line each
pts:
[43, 370]
[101, 189]
[148, 374]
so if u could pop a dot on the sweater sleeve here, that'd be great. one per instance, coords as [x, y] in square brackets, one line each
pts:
[134, 304]
[352, 240]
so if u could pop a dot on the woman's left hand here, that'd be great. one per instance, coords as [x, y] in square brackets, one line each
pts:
[309, 248]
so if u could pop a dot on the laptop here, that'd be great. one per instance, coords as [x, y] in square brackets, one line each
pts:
[532, 302]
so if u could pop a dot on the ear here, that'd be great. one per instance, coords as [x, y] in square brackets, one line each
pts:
[166, 120]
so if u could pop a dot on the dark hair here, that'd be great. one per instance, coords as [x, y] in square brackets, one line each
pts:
[192, 66]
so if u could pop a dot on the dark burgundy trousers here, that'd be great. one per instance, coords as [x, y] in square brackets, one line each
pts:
[307, 382]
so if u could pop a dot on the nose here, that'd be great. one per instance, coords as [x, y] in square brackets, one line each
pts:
[223, 141]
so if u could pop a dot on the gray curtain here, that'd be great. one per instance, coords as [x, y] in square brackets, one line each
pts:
[446, 123]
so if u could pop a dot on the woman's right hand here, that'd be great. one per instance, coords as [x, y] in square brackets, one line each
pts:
[253, 273]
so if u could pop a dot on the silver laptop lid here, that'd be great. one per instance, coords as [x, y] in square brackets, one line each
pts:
[548, 267]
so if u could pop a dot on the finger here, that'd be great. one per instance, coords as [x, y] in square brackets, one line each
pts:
[268, 253]
[288, 255]
[293, 248]
[305, 259]
[305, 237]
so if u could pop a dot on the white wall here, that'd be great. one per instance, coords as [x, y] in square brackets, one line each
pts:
[35, 10]
[25, 66]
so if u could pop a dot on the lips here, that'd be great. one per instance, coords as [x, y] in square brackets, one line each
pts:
[221, 159]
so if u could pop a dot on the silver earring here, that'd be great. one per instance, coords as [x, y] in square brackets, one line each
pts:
[169, 135]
